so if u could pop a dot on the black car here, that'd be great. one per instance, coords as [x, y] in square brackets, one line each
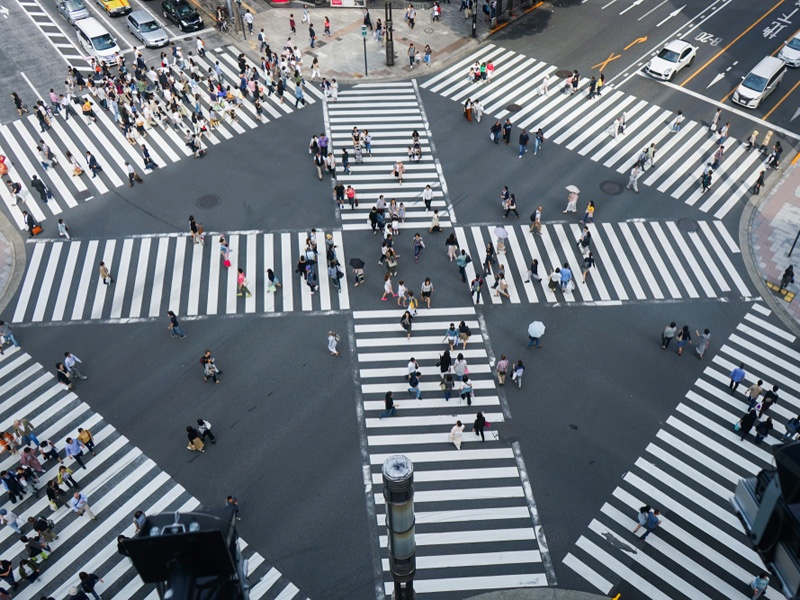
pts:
[182, 14]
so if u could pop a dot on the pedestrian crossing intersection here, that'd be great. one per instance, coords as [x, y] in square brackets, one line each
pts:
[155, 274]
[690, 472]
[484, 482]
[583, 125]
[118, 481]
[106, 141]
[635, 260]
[391, 112]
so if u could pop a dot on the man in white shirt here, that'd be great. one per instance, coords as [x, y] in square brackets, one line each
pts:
[80, 504]
[71, 363]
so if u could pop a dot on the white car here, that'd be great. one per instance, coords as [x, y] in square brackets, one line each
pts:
[790, 53]
[670, 59]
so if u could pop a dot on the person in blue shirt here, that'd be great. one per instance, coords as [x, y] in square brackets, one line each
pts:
[566, 275]
[792, 428]
[652, 522]
[413, 385]
[737, 376]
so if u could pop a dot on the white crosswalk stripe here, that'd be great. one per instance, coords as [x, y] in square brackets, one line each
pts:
[390, 112]
[153, 275]
[690, 472]
[118, 481]
[670, 262]
[583, 125]
[107, 143]
[454, 489]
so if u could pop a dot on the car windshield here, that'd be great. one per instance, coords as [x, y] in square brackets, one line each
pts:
[74, 5]
[755, 83]
[794, 44]
[668, 55]
[149, 26]
[185, 12]
[103, 42]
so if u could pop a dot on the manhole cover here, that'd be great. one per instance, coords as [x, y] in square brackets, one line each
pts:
[208, 201]
[430, 30]
[687, 225]
[612, 188]
[563, 73]
[513, 107]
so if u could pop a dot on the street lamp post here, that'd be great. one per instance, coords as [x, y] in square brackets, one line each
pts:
[398, 491]
[475, 20]
[364, 38]
[389, 38]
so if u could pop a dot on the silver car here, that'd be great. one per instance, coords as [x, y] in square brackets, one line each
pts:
[72, 10]
[145, 28]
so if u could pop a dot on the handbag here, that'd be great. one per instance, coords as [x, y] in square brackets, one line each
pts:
[737, 426]
[227, 262]
[53, 505]
[37, 229]
[442, 386]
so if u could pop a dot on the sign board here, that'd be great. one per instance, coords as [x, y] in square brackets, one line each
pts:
[348, 3]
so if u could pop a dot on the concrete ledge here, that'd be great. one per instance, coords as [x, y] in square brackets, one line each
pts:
[539, 594]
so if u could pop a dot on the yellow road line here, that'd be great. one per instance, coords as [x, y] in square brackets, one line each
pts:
[785, 96]
[736, 39]
[507, 23]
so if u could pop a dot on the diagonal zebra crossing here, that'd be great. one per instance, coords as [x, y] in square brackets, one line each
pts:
[636, 260]
[391, 112]
[583, 125]
[690, 472]
[118, 481]
[155, 274]
[483, 482]
[106, 141]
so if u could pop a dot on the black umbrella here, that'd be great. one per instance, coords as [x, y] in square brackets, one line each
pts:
[356, 263]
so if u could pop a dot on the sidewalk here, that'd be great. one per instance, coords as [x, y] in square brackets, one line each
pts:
[539, 594]
[341, 56]
[770, 222]
[12, 260]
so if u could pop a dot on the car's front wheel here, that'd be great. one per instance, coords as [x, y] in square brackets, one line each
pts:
[691, 61]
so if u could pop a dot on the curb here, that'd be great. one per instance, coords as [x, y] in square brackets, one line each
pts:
[539, 594]
[750, 265]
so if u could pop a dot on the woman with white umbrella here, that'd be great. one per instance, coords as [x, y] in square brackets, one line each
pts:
[502, 235]
[572, 199]
[535, 333]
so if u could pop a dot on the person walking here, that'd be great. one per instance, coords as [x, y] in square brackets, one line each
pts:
[702, 343]
[524, 138]
[507, 127]
[641, 518]
[65, 477]
[5, 332]
[737, 376]
[105, 274]
[39, 186]
[475, 289]
[405, 322]
[462, 260]
[502, 370]
[174, 327]
[759, 182]
[634, 178]
[746, 423]
[92, 163]
[456, 434]
[451, 336]
[787, 277]
[43, 527]
[232, 503]
[88, 583]
[71, 363]
[204, 429]
[210, 369]
[25, 431]
[519, 371]
[30, 223]
[675, 126]
[388, 403]
[63, 377]
[74, 450]
[242, 283]
[682, 338]
[652, 522]
[753, 393]
[770, 398]
[763, 429]
[11, 520]
[667, 335]
[195, 443]
[706, 179]
[333, 339]
[132, 174]
[63, 230]
[715, 121]
[759, 585]
[413, 385]
[86, 438]
[80, 504]
[479, 425]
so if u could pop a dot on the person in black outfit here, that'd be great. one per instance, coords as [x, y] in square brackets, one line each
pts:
[477, 427]
[40, 187]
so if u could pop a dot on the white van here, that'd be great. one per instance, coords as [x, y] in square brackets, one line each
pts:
[760, 82]
[96, 40]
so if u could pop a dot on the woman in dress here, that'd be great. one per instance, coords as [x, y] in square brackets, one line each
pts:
[572, 203]
[405, 322]
[703, 342]
[456, 434]
[426, 291]
[333, 339]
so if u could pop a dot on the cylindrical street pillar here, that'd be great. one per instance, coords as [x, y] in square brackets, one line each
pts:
[389, 34]
[398, 491]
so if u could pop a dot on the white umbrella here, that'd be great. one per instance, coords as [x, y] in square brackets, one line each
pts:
[501, 232]
[573, 189]
[536, 329]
